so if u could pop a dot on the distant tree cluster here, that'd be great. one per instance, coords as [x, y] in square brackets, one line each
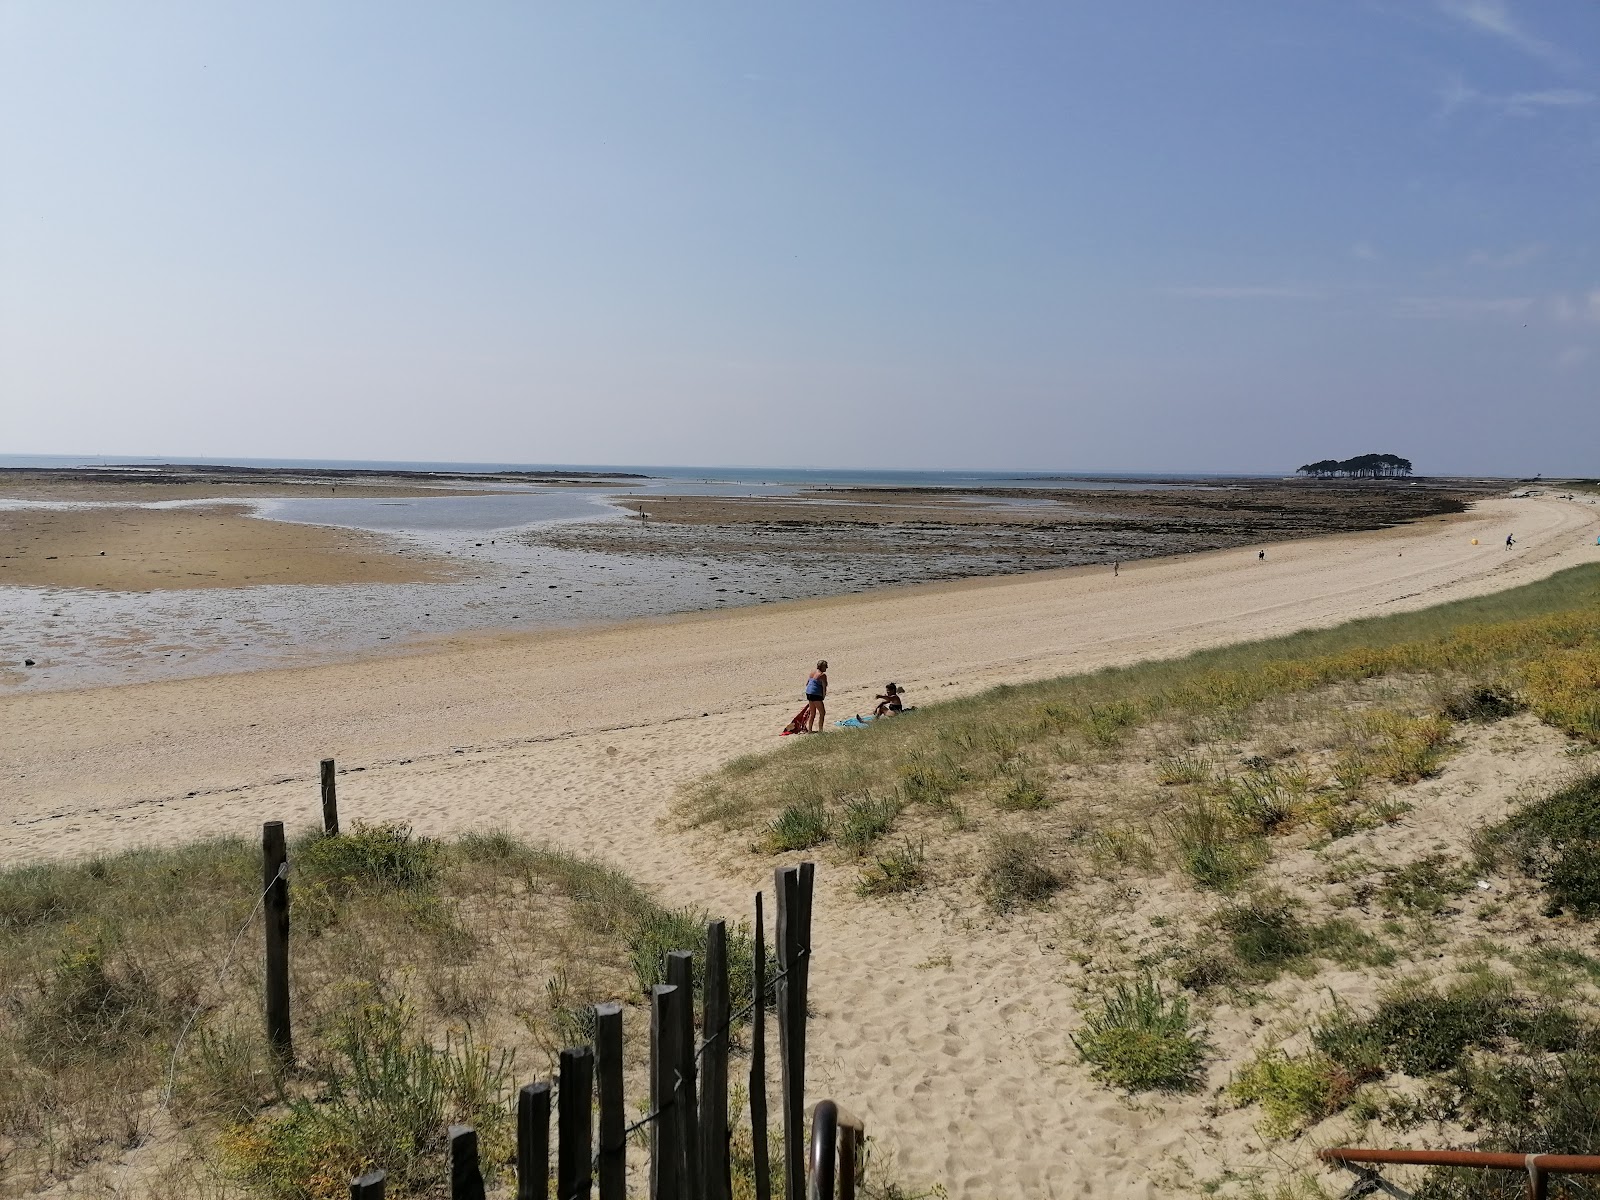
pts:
[1362, 466]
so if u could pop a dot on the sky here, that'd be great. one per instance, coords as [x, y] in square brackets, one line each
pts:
[1148, 235]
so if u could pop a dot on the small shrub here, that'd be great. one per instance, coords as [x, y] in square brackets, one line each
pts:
[1142, 1040]
[1294, 1093]
[1426, 886]
[1556, 840]
[927, 778]
[1262, 801]
[384, 857]
[865, 821]
[389, 1100]
[1121, 846]
[1183, 769]
[1482, 703]
[87, 1009]
[1199, 970]
[1408, 748]
[1017, 873]
[1023, 792]
[1563, 688]
[1265, 935]
[1105, 724]
[1418, 1030]
[900, 869]
[797, 827]
[1351, 771]
[658, 932]
[1209, 848]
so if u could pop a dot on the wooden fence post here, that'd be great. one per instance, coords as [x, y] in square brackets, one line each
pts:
[613, 1155]
[275, 885]
[715, 1010]
[330, 799]
[575, 1124]
[680, 974]
[368, 1186]
[466, 1177]
[533, 1142]
[758, 1058]
[665, 1156]
[793, 885]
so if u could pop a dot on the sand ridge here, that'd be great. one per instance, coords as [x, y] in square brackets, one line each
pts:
[130, 548]
[950, 1040]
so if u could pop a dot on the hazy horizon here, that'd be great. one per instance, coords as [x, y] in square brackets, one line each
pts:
[1146, 238]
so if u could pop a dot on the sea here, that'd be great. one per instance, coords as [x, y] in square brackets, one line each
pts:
[511, 581]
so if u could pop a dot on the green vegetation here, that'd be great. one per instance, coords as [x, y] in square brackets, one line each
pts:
[1017, 872]
[1556, 840]
[899, 869]
[417, 967]
[1343, 718]
[1143, 1040]
[1362, 466]
[1421, 1031]
[1294, 1092]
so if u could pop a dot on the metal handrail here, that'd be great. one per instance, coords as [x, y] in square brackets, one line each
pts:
[829, 1151]
[1539, 1167]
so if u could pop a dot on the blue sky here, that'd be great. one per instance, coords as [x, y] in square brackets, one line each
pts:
[1144, 235]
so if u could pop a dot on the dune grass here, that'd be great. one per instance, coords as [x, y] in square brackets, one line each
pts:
[1391, 690]
[429, 979]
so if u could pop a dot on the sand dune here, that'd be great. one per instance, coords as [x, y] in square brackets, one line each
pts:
[952, 1045]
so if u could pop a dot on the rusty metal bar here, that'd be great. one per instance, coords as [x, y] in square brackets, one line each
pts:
[1551, 1164]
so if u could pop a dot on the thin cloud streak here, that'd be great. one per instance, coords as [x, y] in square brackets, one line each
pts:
[1248, 292]
[1448, 308]
[1519, 257]
[1513, 104]
[1493, 17]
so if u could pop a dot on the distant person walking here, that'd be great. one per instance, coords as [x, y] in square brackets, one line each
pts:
[816, 695]
[1116, 569]
[1262, 556]
[1510, 541]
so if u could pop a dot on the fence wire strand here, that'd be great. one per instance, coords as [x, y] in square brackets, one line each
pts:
[227, 961]
[680, 1079]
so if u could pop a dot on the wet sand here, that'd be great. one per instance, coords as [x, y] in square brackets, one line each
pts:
[850, 539]
[132, 549]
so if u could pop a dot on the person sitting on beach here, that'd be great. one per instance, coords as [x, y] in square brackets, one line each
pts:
[816, 694]
[889, 703]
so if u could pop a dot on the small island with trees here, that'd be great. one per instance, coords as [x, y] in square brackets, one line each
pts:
[1362, 466]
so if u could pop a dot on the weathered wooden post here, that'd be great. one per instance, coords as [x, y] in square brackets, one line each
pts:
[368, 1186]
[758, 1059]
[533, 1142]
[665, 1145]
[613, 1155]
[275, 886]
[466, 1177]
[575, 1124]
[715, 1010]
[330, 799]
[680, 974]
[793, 885]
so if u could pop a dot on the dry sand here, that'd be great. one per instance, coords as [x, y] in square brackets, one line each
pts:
[133, 549]
[950, 1040]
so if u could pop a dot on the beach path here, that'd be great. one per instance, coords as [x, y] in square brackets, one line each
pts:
[582, 737]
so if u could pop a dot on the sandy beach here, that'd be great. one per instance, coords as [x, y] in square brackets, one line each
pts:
[950, 1044]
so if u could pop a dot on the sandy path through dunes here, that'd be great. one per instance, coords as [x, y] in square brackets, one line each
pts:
[951, 1041]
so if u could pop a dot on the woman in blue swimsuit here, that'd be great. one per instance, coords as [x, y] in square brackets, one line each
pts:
[816, 693]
